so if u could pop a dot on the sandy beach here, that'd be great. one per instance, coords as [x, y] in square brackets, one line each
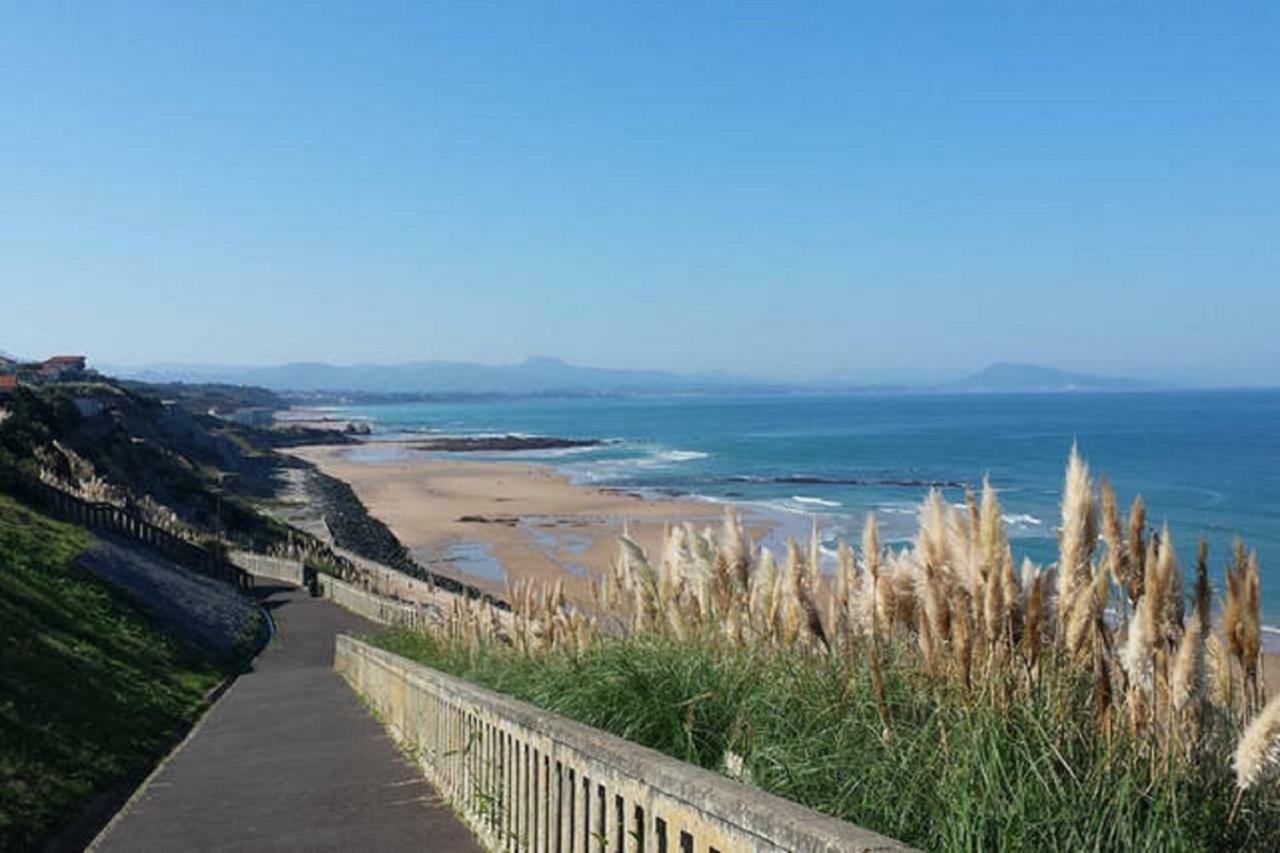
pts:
[488, 522]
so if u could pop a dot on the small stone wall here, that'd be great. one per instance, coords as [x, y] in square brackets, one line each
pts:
[526, 779]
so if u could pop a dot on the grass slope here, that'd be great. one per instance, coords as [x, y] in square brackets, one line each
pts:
[957, 775]
[91, 694]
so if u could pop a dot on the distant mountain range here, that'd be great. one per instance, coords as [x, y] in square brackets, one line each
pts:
[544, 375]
[539, 375]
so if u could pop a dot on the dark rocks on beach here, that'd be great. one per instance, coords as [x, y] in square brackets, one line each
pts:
[301, 436]
[466, 444]
[505, 520]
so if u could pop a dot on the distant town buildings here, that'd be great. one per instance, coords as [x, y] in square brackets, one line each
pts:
[62, 368]
[59, 368]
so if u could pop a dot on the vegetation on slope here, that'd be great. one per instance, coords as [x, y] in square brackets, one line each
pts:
[91, 694]
[930, 692]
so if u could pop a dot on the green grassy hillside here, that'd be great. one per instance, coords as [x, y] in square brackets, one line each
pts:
[91, 694]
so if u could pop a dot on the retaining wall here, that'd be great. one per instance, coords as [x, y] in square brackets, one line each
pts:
[526, 779]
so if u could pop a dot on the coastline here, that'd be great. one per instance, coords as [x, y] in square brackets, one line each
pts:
[487, 522]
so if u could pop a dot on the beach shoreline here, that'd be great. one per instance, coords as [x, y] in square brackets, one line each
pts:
[490, 522]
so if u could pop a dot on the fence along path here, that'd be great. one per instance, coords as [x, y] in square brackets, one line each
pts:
[110, 518]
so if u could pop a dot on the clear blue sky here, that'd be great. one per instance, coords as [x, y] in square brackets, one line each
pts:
[780, 190]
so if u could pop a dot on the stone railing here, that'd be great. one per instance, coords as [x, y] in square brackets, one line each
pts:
[276, 568]
[375, 608]
[526, 779]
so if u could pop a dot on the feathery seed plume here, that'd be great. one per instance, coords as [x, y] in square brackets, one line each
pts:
[1079, 533]
[1257, 756]
[1136, 551]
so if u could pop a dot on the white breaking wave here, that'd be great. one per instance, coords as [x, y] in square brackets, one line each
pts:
[606, 470]
[554, 452]
[680, 455]
[805, 499]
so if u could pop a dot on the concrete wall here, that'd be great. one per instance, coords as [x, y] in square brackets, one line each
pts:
[526, 779]
[276, 568]
[392, 583]
[376, 608]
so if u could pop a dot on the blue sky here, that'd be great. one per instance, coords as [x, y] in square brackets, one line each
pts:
[783, 190]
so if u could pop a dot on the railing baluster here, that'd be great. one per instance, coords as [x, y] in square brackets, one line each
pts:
[587, 811]
[619, 824]
[601, 812]
[562, 809]
[548, 816]
[638, 829]
[573, 811]
[535, 801]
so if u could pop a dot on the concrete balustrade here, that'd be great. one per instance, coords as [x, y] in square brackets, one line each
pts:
[401, 614]
[526, 779]
[276, 568]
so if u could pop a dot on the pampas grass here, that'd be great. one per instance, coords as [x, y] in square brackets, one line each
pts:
[943, 630]
[1079, 534]
[1113, 536]
[1136, 551]
[1257, 757]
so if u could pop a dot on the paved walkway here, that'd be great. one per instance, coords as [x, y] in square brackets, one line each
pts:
[288, 759]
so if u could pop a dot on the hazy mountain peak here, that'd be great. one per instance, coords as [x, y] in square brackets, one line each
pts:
[1017, 377]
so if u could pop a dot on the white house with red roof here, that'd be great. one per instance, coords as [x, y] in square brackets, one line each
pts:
[62, 367]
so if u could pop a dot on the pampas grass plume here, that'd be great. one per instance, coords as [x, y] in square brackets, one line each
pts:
[1187, 679]
[1257, 755]
[1113, 535]
[1136, 551]
[1079, 532]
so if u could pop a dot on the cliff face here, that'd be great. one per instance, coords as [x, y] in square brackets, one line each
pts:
[129, 447]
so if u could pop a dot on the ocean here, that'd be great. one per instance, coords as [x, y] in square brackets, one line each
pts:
[1207, 462]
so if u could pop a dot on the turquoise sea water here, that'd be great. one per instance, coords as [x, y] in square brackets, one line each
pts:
[1206, 462]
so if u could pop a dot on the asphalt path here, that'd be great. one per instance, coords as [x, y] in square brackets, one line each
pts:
[288, 759]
